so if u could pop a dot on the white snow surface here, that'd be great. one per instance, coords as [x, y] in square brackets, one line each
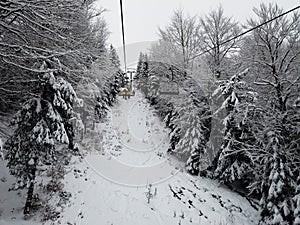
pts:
[109, 186]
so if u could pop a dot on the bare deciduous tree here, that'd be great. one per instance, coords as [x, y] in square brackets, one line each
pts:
[34, 31]
[216, 28]
[166, 52]
[275, 55]
[183, 31]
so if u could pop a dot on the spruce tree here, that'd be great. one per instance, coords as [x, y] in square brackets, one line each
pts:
[277, 185]
[198, 159]
[190, 135]
[296, 200]
[108, 94]
[175, 133]
[114, 58]
[139, 65]
[233, 162]
[43, 121]
[153, 86]
[144, 76]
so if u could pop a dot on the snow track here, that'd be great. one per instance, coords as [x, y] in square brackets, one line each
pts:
[135, 144]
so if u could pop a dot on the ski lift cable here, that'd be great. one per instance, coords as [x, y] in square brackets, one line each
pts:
[249, 30]
[123, 34]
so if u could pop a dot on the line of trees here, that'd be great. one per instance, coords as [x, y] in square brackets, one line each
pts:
[56, 68]
[254, 80]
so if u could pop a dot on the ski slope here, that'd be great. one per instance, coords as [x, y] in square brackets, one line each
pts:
[130, 155]
[124, 155]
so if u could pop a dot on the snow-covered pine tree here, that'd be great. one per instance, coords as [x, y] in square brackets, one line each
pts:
[233, 162]
[277, 186]
[294, 122]
[153, 86]
[279, 181]
[108, 93]
[143, 75]
[103, 101]
[167, 112]
[189, 121]
[190, 134]
[296, 200]
[42, 122]
[199, 158]
[113, 56]
[116, 84]
[197, 132]
[101, 108]
[145, 66]
[139, 65]
[172, 121]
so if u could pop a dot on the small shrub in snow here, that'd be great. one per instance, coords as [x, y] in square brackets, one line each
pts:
[50, 213]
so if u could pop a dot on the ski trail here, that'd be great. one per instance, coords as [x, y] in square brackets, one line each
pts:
[114, 192]
[136, 150]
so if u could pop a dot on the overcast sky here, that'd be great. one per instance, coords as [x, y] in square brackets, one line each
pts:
[143, 17]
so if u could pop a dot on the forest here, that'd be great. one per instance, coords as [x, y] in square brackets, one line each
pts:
[234, 116]
[56, 69]
[237, 116]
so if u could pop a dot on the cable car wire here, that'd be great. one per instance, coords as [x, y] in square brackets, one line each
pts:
[123, 34]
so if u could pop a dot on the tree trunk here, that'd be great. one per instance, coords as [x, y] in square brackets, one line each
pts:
[70, 134]
[28, 204]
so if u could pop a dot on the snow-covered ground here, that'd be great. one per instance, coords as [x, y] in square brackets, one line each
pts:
[126, 156]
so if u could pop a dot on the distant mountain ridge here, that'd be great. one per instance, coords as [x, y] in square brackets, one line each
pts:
[132, 52]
